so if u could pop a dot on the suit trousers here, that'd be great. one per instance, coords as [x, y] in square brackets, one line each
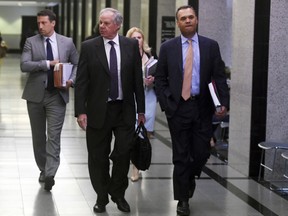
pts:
[190, 142]
[101, 150]
[46, 120]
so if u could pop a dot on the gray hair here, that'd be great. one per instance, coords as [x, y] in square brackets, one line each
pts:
[118, 18]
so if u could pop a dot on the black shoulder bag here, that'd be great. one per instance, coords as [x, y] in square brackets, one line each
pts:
[141, 152]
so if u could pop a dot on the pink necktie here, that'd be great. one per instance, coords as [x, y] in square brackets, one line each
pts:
[187, 78]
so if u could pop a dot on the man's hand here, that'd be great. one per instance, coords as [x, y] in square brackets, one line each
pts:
[82, 121]
[69, 83]
[149, 80]
[141, 118]
[54, 62]
[221, 113]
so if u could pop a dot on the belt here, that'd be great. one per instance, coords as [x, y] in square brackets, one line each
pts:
[115, 101]
[193, 98]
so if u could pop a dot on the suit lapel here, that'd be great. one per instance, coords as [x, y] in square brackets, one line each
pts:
[123, 54]
[203, 60]
[59, 42]
[101, 54]
[178, 53]
[41, 47]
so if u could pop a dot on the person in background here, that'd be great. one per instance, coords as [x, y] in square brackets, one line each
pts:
[28, 33]
[3, 48]
[186, 64]
[95, 32]
[46, 104]
[150, 95]
[108, 93]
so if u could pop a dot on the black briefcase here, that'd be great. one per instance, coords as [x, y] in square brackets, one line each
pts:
[141, 152]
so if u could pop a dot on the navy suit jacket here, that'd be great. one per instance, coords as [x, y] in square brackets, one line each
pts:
[169, 76]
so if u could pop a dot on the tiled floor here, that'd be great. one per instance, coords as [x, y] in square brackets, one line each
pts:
[221, 191]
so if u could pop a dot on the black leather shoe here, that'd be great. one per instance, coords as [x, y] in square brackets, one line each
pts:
[42, 177]
[98, 208]
[122, 204]
[183, 208]
[49, 183]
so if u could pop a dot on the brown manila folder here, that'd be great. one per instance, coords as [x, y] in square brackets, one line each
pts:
[62, 73]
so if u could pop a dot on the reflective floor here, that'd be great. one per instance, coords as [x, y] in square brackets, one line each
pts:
[221, 191]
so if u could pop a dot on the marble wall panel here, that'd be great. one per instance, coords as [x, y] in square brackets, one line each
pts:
[215, 21]
[241, 85]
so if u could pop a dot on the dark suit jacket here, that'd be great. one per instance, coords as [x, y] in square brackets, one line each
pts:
[169, 76]
[93, 81]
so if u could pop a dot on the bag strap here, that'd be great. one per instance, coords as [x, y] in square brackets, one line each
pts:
[141, 129]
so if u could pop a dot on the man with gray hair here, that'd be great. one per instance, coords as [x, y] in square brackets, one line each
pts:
[108, 92]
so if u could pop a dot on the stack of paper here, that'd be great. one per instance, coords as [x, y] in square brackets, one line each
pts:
[214, 95]
[150, 67]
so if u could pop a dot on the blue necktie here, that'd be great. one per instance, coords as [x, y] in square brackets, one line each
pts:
[50, 84]
[113, 72]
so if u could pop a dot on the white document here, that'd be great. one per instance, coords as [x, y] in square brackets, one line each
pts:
[150, 66]
[214, 96]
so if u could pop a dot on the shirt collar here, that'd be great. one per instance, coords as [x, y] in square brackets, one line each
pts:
[115, 39]
[194, 38]
[52, 37]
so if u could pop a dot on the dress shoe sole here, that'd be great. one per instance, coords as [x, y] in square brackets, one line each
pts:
[180, 213]
[183, 212]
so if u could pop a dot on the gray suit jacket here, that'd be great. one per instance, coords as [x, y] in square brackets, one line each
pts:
[33, 61]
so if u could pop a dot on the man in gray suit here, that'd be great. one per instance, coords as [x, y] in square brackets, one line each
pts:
[47, 104]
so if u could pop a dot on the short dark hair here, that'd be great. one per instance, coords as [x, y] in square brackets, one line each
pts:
[185, 7]
[49, 13]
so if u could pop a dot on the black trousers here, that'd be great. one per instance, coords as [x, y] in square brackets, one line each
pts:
[190, 141]
[101, 150]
